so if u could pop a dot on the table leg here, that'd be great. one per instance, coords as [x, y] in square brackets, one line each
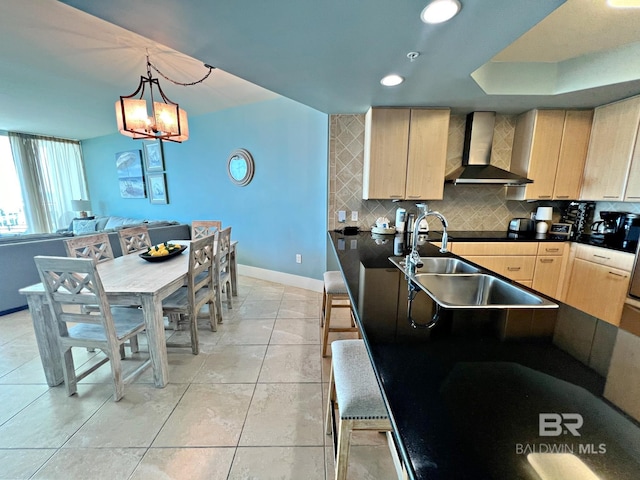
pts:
[46, 338]
[152, 308]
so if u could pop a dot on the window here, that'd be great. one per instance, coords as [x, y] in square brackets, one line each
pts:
[51, 175]
[12, 217]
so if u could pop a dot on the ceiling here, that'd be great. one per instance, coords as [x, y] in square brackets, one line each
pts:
[63, 64]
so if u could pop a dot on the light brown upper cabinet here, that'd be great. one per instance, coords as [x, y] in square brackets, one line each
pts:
[609, 174]
[550, 148]
[405, 153]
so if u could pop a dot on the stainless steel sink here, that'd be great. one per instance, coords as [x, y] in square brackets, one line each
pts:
[477, 291]
[431, 265]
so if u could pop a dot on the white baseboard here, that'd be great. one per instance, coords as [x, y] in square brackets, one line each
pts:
[280, 277]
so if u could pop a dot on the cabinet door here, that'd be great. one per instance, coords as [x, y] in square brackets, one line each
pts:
[598, 290]
[613, 136]
[544, 153]
[385, 155]
[573, 154]
[547, 274]
[428, 135]
[632, 193]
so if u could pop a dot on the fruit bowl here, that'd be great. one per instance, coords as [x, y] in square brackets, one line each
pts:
[172, 253]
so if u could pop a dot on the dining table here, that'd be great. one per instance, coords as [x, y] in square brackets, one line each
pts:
[128, 280]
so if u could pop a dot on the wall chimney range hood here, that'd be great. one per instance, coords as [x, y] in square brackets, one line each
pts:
[476, 155]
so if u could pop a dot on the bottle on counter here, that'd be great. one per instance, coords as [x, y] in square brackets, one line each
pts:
[401, 218]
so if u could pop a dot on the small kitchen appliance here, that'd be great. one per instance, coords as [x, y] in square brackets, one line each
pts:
[521, 225]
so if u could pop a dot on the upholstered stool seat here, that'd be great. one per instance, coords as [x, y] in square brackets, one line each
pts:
[352, 383]
[334, 296]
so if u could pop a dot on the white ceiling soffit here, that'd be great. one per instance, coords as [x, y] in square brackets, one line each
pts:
[63, 77]
[587, 44]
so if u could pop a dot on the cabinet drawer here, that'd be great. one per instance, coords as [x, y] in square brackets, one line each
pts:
[495, 248]
[605, 256]
[551, 248]
[513, 267]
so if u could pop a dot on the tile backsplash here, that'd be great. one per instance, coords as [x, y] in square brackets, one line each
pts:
[466, 207]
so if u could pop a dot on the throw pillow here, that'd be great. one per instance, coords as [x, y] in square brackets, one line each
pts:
[81, 227]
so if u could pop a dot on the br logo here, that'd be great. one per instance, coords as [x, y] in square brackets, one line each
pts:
[556, 424]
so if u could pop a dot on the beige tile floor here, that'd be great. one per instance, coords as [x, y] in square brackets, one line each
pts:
[250, 406]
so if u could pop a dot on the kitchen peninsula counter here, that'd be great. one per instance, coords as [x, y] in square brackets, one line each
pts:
[466, 397]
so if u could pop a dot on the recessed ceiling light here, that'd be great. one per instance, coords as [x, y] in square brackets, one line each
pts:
[392, 80]
[439, 11]
[624, 3]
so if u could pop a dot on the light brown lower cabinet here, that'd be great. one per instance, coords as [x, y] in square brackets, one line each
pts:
[547, 274]
[598, 290]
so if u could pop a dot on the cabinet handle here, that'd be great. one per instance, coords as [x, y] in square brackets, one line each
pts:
[413, 196]
[602, 256]
[551, 249]
[632, 196]
[562, 196]
[513, 269]
[544, 196]
[546, 260]
[395, 196]
[611, 196]
[617, 274]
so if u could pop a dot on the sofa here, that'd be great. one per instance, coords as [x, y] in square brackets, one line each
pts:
[18, 270]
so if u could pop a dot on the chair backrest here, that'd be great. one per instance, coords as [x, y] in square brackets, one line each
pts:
[74, 281]
[201, 270]
[134, 239]
[202, 228]
[223, 252]
[97, 247]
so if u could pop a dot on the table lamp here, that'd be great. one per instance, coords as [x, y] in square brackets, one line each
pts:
[81, 206]
[543, 215]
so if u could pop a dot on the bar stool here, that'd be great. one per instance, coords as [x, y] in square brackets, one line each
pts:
[353, 384]
[334, 295]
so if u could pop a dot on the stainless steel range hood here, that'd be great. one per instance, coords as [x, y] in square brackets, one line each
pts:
[476, 155]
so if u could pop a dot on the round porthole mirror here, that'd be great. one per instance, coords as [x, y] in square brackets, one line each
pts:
[240, 167]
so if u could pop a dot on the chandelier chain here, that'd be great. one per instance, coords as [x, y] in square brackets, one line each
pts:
[180, 83]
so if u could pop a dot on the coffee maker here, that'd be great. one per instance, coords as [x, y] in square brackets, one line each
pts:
[618, 229]
[608, 223]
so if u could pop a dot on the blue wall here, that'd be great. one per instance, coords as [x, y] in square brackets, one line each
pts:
[280, 213]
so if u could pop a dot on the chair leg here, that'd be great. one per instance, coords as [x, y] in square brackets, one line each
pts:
[195, 346]
[218, 300]
[324, 306]
[116, 374]
[133, 344]
[344, 442]
[69, 372]
[328, 424]
[327, 323]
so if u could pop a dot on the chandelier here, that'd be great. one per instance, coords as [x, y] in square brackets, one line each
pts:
[167, 120]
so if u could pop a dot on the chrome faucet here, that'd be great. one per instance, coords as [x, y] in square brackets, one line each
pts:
[413, 259]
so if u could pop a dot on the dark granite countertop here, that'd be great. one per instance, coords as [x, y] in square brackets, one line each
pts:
[466, 401]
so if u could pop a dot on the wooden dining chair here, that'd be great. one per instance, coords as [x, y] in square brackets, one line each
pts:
[187, 302]
[222, 274]
[96, 247]
[202, 228]
[69, 282]
[134, 239]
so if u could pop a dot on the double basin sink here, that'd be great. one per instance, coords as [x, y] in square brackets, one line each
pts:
[454, 283]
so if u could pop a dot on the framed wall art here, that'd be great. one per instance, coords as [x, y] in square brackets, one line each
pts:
[157, 188]
[130, 175]
[154, 156]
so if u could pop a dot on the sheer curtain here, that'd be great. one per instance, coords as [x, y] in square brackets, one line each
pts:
[51, 175]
